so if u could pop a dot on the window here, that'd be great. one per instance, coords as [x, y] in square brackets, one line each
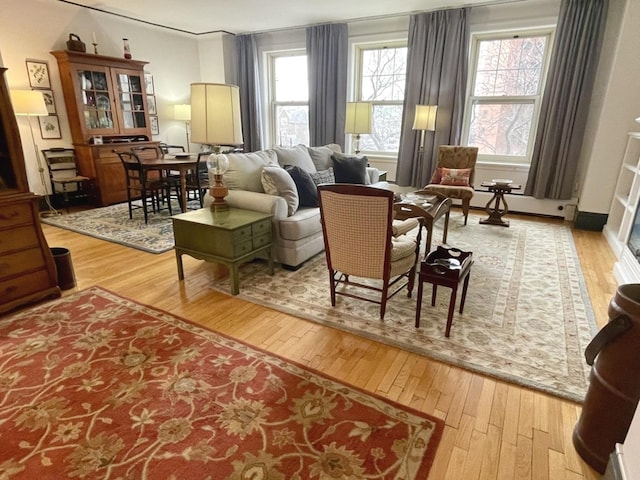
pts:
[381, 71]
[505, 93]
[288, 99]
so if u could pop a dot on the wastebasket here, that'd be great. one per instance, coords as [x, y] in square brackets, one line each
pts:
[64, 267]
[614, 382]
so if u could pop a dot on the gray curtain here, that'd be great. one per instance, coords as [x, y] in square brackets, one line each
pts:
[437, 58]
[566, 99]
[249, 84]
[327, 51]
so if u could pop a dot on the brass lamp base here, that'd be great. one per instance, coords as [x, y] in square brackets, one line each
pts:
[218, 191]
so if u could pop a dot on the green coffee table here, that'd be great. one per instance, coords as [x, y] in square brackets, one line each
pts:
[230, 238]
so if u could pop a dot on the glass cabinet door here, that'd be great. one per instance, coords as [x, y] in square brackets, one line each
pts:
[97, 111]
[132, 99]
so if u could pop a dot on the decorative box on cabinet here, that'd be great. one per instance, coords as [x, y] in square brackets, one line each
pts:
[27, 268]
[623, 212]
[107, 108]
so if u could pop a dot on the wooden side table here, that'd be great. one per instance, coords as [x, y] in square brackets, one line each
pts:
[428, 206]
[496, 213]
[447, 267]
[230, 238]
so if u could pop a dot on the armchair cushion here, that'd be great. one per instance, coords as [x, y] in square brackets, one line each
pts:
[307, 192]
[453, 176]
[277, 181]
[350, 169]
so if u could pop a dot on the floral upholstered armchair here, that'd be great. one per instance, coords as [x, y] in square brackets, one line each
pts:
[453, 176]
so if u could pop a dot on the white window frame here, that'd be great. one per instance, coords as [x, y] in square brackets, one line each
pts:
[358, 49]
[536, 100]
[272, 103]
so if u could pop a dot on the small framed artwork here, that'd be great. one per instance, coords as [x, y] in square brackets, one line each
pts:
[155, 127]
[151, 104]
[49, 101]
[148, 84]
[50, 127]
[38, 71]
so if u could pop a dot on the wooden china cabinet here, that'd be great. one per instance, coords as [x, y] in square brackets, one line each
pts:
[107, 108]
[27, 268]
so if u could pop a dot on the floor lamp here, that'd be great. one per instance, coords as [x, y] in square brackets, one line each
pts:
[30, 103]
[424, 120]
[183, 112]
[358, 121]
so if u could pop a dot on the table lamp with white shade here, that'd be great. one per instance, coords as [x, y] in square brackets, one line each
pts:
[30, 103]
[215, 121]
[358, 121]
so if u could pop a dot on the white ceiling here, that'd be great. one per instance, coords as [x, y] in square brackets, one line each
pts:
[245, 16]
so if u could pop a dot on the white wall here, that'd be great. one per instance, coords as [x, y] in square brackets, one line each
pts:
[615, 105]
[33, 28]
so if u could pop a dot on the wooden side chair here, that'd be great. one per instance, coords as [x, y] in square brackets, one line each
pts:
[362, 241]
[454, 174]
[140, 185]
[66, 182]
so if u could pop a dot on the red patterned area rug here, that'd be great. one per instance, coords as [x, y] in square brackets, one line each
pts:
[97, 386]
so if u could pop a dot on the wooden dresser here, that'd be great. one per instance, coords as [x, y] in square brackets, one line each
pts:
[27, 268]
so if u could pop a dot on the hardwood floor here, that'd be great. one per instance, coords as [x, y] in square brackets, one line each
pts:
[494, 430]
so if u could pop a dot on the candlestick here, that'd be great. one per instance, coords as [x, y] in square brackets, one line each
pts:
[95, 47]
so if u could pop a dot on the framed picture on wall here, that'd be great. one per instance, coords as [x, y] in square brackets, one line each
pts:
[49, 101]
[50, 127]
[38, 71]
[148, 84]
[151, 104]
[155, 127]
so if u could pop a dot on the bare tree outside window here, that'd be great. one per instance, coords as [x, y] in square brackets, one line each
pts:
[381, 81]
[506, 91]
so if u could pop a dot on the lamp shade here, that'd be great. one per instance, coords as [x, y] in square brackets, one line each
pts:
[28, 102]
[358, 118]
[215, 114]
[182, 112]
[425, 118]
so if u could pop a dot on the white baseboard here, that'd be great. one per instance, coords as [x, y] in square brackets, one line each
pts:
[524, 204]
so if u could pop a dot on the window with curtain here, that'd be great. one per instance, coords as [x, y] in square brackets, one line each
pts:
[288, 98]
[507, 80]
[380, 75]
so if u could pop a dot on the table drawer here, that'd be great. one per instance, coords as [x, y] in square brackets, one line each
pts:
[242, 234]
[261, 228]
[262, 240]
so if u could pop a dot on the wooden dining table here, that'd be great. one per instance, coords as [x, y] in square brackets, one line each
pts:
[182, 163]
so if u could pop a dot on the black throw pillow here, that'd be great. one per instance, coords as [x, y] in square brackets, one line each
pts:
[350, 169]
[307, 191]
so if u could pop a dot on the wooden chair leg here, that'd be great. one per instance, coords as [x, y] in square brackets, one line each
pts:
[465, 208]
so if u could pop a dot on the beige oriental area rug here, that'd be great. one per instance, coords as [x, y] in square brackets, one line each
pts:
[96, 386]
[527, 317]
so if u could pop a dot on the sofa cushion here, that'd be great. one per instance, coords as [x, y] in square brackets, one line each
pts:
[277, 181]
[245, 170]
[321, 156]
[324, 176]
[302, 224]
[307, 192]
[349, 168]
[297, 156]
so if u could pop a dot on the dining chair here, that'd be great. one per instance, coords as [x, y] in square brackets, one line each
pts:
[198, 180]
[454, 174]
[362, 241]
[141, 185]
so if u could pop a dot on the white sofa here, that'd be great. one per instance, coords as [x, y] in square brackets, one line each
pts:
[297, 232]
